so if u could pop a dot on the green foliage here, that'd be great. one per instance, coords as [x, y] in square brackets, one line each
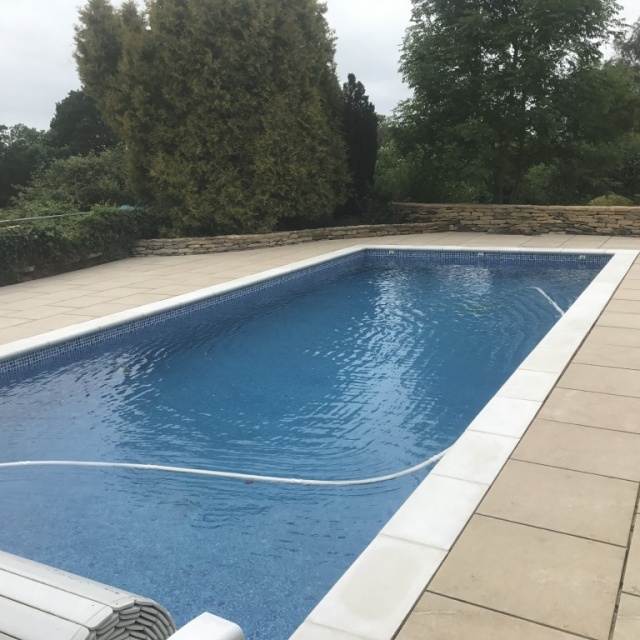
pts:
[503, 87]
[55, 245]
[361, 136]
[419, 175]
[77, 128]
[22, 153]
[623, 170]
[394, 172]
[585, 171]
[627, 47]
[611, 200]
[230, 109]
[540, 185]
[572, 177]
[378, 208]
[77, 184]
[25, 153]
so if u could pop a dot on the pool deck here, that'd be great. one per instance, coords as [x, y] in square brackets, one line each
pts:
[551, 552]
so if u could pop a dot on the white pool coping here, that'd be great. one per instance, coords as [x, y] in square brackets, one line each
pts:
[374, 596]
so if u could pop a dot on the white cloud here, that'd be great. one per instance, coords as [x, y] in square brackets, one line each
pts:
[630, 10]
[36, 64]
[370, 34]
[37, 68]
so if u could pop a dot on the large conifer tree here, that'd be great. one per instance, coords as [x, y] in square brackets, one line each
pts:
[230, 109]
[361, 135]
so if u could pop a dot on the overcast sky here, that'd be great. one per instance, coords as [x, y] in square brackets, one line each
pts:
[37, 68]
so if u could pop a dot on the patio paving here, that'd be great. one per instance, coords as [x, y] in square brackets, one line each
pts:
[553, 550]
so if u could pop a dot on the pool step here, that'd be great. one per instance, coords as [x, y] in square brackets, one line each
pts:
[38, 602]
[208, 627]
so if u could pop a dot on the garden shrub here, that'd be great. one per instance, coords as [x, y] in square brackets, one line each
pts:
[77, 183]
[611, 200]
[43, 247]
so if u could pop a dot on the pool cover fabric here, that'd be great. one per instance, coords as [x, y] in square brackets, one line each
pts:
[38, 602]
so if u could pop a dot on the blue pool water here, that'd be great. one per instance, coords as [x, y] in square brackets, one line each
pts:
[349, 373]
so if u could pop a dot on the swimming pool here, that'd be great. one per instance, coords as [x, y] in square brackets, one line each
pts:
[338, 411]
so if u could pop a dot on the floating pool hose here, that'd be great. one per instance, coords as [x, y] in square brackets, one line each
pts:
[247, 477]
[550, 300]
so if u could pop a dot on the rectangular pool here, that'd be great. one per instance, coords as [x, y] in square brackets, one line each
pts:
[353, 367]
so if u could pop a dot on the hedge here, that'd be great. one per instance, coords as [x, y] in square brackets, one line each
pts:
[43, 247]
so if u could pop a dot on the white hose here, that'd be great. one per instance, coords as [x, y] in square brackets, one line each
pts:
[550, 300]
[247, 477]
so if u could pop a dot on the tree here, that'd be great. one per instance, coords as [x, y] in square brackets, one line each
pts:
[22, 153]
[491, 83]
[230, 109]
[624, 173]
[77, 183]
[77, 128]
[361, 136]
[593, 141]
[627, 46]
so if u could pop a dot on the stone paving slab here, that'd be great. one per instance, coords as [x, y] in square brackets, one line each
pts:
[615, 336]
[624, 320]
[632, 284]
[606, 355]
[524, 571]
[625, 306]
[631, 582]
[586, 377]
[589, 409]
[627, 294]
[568, 446]
[565, 501]
[438, 618]
[628, 620]
[633, 273]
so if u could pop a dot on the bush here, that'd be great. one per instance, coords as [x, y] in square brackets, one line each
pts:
[394, 172]
[611, 200]
[77, 184]
[378, 209]
[43, 247]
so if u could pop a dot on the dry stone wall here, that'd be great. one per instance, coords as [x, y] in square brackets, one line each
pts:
[218, 244]
[526, 219]
[424, 218]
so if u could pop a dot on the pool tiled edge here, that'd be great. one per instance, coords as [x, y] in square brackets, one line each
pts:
[29, 351]
[47, 344]
[375, 596]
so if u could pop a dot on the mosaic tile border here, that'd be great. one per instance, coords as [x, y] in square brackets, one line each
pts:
[50, 352]
[487, 257]
[37, 352]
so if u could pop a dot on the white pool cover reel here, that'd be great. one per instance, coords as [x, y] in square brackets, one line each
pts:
[38, 602]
